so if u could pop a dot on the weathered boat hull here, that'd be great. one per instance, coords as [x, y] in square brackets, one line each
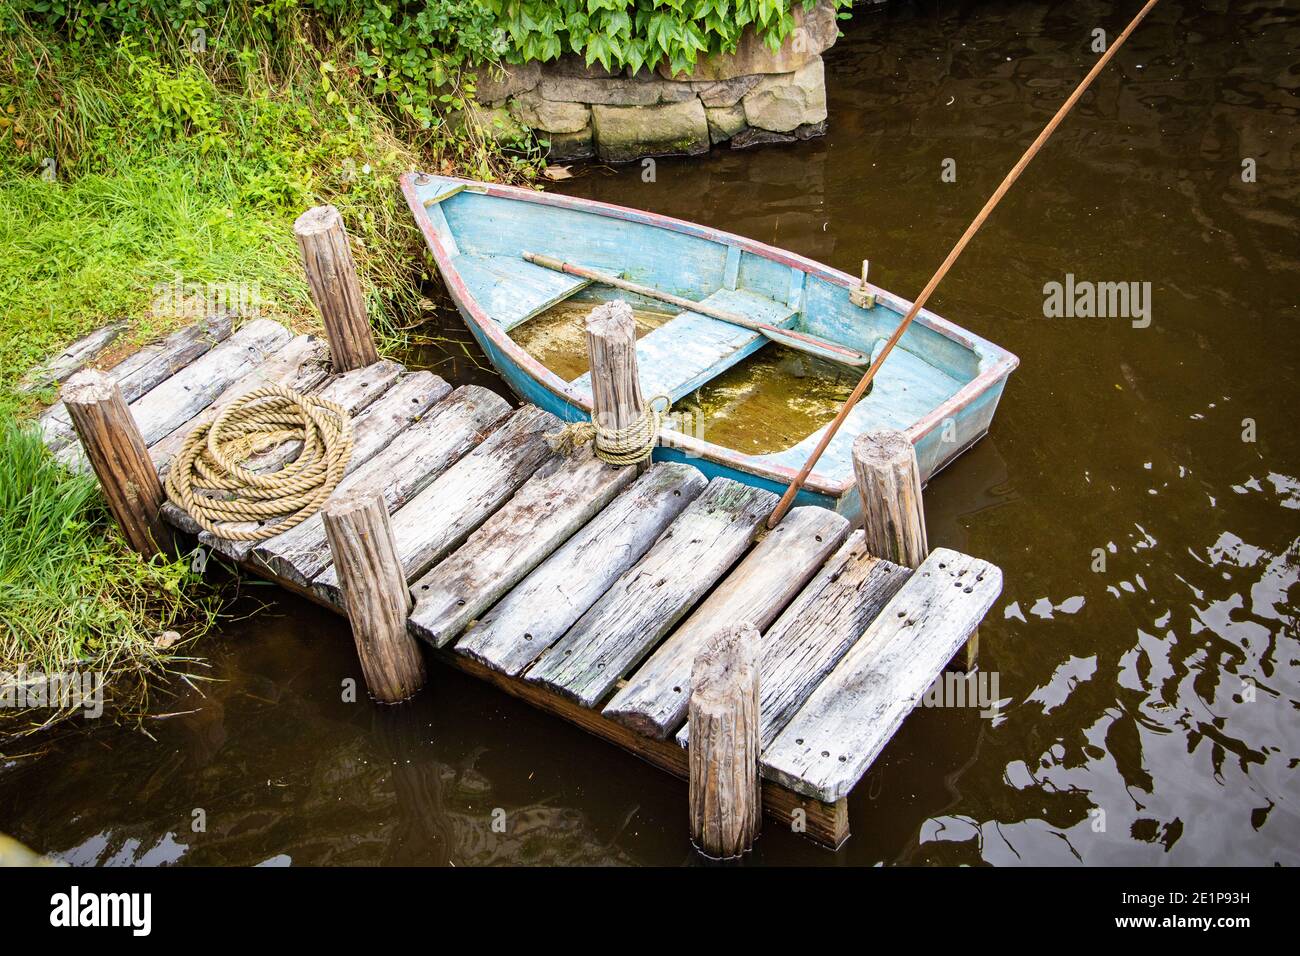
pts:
[940, 430]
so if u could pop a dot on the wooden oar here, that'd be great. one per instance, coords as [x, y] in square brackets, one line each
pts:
[860, 389]
[822, 348]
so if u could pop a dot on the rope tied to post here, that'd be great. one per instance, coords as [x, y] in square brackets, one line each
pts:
[210, 483]
[617, 446]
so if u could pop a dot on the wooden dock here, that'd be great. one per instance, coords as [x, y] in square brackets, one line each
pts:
[585, 589]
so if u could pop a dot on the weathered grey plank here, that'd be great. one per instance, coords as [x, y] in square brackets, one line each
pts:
[384, 416]
[541, 516]
[651, 596]
[354, 391]
[77, 355]
[414, 459]
[143, 370]
[818, 628]
[179, 398]
[831, 741]
[548, 602]
[444, 514]
[301, 365]
[655, 700]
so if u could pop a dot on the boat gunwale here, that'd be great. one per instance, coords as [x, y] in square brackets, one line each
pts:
[994, 362]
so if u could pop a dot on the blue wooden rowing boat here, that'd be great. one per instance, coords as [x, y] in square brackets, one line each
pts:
[941, 385]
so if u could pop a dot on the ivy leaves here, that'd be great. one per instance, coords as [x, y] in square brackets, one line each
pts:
[620, 34]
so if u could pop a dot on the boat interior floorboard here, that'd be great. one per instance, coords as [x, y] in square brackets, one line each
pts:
[687, 351]
[512, 290]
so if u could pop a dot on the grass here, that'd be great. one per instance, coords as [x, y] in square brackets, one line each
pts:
[170, 168]
[72, 596]
[194, 171]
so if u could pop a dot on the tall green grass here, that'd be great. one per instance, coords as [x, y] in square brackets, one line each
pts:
[72, 596]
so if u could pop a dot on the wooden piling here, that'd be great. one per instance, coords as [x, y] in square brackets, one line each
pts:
[332, 276]
[889, 482]
[120, 459]
[725, 792]
[615, 381]
[374, 593]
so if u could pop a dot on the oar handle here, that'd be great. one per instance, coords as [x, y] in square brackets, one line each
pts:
[547, 262]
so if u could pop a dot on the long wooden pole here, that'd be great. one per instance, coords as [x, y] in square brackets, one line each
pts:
[788, 498]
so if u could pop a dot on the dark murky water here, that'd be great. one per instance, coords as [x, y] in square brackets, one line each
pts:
[1150, 708]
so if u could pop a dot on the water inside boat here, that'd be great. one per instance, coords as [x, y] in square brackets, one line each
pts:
[767, 403]
[557, 337]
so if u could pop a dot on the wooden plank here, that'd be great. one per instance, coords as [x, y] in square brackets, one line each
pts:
[301, 365]
[143, 370]
[651, 596]
[818, 628]
[832, 740]
[76, 356]
[454, 428]
[444, 514]
[548, 602]
[384, 388]
[407, 447]
[654, 701]
[179, 398]
[542, 515]
[511, 290]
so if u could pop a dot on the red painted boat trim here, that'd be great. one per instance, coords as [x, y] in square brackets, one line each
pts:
[1002, 364]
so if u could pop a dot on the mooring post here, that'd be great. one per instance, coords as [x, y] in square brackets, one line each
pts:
[616, 400]
[725, 792]
[120, 458]
[374, 593]
[889, 482]
[335, 288]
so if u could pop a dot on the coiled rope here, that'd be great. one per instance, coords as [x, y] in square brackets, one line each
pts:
[208, 479]
[617, 446]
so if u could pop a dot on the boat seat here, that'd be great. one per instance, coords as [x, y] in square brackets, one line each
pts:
[688, 350]
[512, 290]
[903, 392]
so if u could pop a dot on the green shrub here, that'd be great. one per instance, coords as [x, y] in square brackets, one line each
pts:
[637, 33]
[412, 52]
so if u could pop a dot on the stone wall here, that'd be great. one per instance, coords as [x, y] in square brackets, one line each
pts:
[752, 96]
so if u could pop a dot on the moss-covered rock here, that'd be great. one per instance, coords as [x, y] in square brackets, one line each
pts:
[625, 133]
